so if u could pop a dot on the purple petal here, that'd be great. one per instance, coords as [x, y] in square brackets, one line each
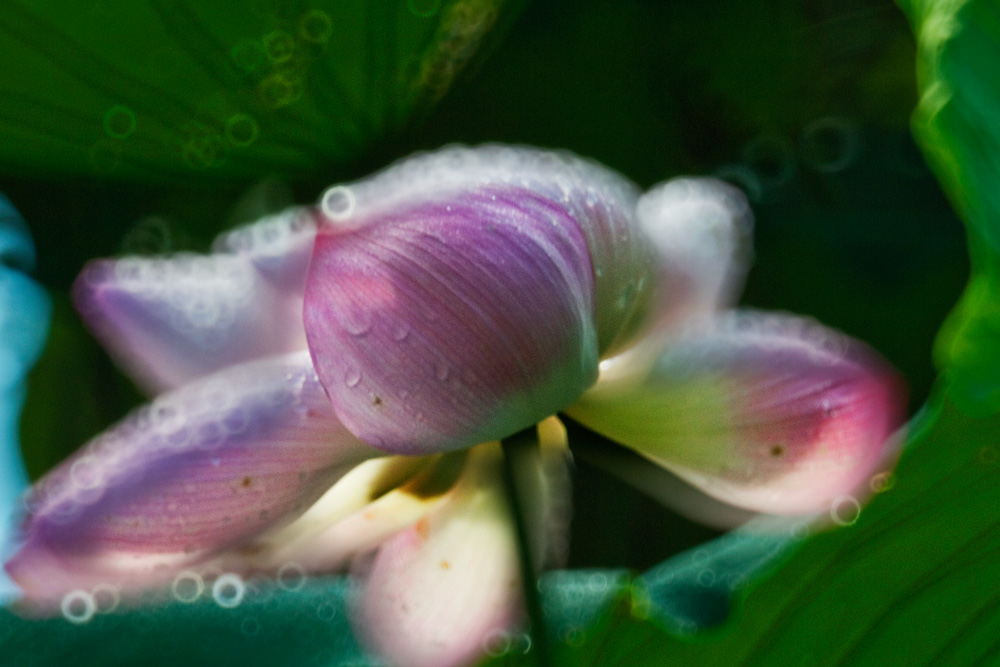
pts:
[770, 413]
[464, 295]
[200, 470]
[436, 592]
[170, 320]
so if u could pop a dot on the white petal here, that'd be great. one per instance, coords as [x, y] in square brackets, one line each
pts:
[771, 413]
[436, 592]
[170, 320]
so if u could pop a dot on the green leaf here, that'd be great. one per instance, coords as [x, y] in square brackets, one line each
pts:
[268, 626]
[162, 90]
[912, 582]
[958, 125]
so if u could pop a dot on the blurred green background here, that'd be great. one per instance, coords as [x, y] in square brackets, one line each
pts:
[806, 104]
[810, 101]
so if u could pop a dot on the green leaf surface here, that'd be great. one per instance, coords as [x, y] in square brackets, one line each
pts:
[169, 90]
[957, 123]
[265, 626]
[912, 582]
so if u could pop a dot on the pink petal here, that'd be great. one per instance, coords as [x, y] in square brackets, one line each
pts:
[200, 470]
[436, 592]
[599, 200]
[466, 308]
[771, 413]
[170, 320]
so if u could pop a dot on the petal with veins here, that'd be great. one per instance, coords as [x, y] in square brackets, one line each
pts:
[436, 591]
[170, 320]
[770, 413]
[463, 295]
[448, 324]
[600, 201]
[202, 469]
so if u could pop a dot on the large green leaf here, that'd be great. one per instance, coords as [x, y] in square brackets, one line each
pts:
[914, 580]
[958, 125]
[166, 89]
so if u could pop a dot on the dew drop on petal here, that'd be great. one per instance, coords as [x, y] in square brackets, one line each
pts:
[78, 606]
[187, 586]
[400, 333]
[338, 203]
[106, 598]
[228, 590]
[352, 378]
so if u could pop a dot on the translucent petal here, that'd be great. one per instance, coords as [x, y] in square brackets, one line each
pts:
[170, 320]
[200, 470]
[771, 413]
[701, 230]
[435, 592]
[462, 296]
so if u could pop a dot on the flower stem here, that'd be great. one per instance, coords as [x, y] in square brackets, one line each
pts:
[516, 449]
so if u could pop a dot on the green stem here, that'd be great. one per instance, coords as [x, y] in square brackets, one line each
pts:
[516, 448]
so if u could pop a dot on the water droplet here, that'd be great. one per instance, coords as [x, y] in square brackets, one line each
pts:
[357, 323]
[106, 598]
[352, 378]
[228, 590]
[706, 578]
[496, 643]
[119, 122]
[401, 333]
[338, 203]
[829, 145]
[291, 577]
[771, 159]
[315, 26]
[241, 130]
[326, 612]
[883, 481]
[250, 626]
[187, 587]
[845, 510]
[441, 371]
[78, 606]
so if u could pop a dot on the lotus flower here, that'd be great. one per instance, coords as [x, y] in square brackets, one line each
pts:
[332, 386]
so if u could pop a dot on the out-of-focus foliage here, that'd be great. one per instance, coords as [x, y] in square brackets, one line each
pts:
[958, 125]
[170, 90]
[802, 102]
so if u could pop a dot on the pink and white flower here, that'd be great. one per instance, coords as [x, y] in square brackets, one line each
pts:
[331, 386]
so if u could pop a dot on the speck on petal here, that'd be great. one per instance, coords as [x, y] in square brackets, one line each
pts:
[200, 470]
[436, 591]
[468, 293]
[170, 320]
[768, 412]
[367, 506]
